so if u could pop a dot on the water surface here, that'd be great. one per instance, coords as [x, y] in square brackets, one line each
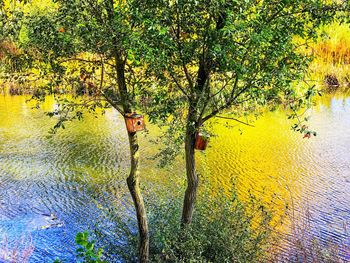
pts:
[51, 188]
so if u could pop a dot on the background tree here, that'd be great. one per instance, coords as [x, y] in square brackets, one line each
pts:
[226, 57]
[85, 47]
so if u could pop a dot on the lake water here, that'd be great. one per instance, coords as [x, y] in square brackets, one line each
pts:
[53, 187]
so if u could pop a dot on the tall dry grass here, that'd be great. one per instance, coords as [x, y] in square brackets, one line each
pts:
[331, 67]
[8, 48]
[333, 47]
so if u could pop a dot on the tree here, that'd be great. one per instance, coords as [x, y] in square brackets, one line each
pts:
[86, 47]
[226, 57]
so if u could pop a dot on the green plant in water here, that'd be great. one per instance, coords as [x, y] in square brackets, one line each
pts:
[86, 252]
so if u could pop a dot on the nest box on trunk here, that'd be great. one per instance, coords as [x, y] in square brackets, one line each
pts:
[201, 141]
[134, 122]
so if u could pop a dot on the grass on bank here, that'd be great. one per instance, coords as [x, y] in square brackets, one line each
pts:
[333, 47]
[331, 67]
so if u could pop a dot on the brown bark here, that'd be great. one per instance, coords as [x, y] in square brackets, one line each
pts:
[193, 122]
[192, 178]
[134, 187]
[133, 180]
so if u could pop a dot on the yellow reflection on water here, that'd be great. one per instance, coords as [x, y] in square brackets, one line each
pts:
[261, 160]
[269, 160]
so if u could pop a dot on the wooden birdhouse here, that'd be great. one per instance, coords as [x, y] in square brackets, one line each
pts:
[134, 122]
[201, 141]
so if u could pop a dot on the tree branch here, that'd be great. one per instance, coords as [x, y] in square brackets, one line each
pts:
[178, 41]
[234, 119]
[113, 104]
[83, 60]
[178, 85]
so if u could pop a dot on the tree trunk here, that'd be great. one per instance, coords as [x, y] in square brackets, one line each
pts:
[134, 187]
[192, 178]
[133, 180]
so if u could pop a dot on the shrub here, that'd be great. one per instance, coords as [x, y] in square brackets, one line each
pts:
[222, 231]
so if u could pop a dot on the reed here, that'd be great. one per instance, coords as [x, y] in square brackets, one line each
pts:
[333, 47]
[330, 69]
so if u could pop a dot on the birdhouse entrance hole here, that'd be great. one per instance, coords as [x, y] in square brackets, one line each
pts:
[134, 122]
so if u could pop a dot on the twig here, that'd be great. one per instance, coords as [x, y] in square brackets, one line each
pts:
[234, 119]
